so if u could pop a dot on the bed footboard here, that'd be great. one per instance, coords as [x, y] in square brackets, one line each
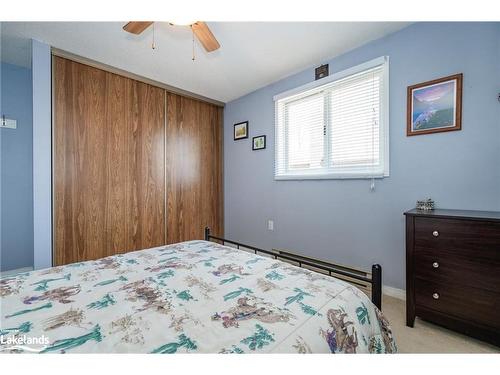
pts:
[374, 279]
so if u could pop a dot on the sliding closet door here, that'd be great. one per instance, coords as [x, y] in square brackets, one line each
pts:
[109, 163]
[194, 168]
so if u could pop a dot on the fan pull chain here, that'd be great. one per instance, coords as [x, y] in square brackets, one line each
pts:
[192, 33]
[153, 44]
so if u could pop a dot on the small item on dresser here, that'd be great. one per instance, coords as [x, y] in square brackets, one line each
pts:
[425, 205]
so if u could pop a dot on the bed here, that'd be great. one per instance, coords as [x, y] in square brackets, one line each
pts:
[189, 297]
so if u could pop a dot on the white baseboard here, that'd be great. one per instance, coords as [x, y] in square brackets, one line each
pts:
[16, 271]
[394, 292]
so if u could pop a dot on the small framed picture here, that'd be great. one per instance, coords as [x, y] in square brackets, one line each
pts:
[259, 142]
[435, 106]
[241, 130]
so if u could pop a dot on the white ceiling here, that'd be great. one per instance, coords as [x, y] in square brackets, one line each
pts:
[252, 54]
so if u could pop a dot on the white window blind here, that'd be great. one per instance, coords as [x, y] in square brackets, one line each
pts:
[337, 128]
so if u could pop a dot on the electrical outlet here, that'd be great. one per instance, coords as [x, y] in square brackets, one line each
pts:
[270, 225]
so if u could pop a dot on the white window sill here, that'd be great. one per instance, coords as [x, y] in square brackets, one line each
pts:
[329, 176]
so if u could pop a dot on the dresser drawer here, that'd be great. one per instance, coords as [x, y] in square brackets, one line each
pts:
[458, 267]
[474, 237]
[477, 305]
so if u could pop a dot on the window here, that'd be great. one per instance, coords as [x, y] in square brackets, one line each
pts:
[336, 127]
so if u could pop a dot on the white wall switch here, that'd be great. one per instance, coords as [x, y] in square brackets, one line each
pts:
[7, 123]
[270, 225]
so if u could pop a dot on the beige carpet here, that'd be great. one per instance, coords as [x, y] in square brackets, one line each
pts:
[426, 337]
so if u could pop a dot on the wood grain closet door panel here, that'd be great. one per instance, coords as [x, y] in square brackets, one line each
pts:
[109, 181]
[118, 135]
[147, 184]
[194, 168]
[79, 180]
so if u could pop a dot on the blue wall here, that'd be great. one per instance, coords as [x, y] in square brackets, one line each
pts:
[16, 169]
[342, 220]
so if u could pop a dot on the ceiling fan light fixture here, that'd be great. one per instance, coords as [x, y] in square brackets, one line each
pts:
[180, 21]
[199, 28]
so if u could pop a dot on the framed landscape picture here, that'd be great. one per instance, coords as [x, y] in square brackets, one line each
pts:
[435, 106]
[259, 142]
[241, 130]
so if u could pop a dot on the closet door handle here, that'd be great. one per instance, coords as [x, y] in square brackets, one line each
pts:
[435, 233]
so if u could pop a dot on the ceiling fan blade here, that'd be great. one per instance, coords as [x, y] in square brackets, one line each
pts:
[137, 27]
[205, 36]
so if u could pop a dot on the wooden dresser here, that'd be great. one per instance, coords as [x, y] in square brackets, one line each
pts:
[453, 270]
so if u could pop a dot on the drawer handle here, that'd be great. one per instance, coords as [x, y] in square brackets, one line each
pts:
[435, 265]
[435, 295]
[435, 233]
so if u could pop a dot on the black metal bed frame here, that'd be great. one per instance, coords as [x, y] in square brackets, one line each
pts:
[374, 278]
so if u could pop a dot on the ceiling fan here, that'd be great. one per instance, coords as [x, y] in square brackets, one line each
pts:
[199, 28]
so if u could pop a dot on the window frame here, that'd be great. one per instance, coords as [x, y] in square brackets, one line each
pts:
[317, 87]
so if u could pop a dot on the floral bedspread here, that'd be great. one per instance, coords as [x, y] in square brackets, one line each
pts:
[190, 297]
